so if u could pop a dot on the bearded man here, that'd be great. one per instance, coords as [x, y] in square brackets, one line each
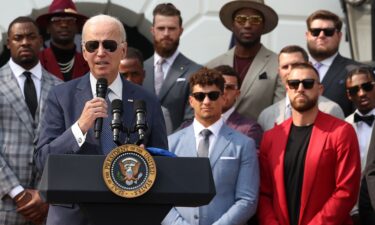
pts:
[168, 71]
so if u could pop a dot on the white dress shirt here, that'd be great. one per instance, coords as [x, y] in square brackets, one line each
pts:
[325, 65]
[214, 128]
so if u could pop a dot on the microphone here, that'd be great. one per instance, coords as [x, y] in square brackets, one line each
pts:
[140, 124]
[101, 91]
[116, 124]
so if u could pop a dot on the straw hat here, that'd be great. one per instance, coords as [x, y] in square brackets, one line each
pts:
[270, 16]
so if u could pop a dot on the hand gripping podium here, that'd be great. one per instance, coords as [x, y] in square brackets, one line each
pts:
[78, 179]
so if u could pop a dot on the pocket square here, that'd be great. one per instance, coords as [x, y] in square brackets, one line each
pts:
[263, 76]
[181, 79]
[227, 157]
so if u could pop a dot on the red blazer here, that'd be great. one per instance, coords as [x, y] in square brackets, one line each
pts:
[331, 176]
[49, 62]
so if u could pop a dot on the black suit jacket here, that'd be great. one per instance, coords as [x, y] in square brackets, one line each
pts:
[174, 93]
[334, 82]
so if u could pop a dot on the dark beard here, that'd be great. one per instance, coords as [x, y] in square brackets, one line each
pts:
[309, 104]
[319, 54]
[247, 44]
[166, 52]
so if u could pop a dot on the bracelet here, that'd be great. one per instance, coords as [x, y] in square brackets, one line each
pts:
[23, 194]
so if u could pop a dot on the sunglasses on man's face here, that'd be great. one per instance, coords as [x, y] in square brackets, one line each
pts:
[306, 83]
[328, 32]
[200, 96]
[109, 45]
[67, 19]
[368, 86]
[230, 87]
[254, 19]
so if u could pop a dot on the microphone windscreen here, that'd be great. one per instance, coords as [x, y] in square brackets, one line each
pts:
[139, 105]
[101, 87]
[116, 105]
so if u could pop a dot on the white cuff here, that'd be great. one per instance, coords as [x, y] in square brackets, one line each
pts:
[78, 135]
[15, 191]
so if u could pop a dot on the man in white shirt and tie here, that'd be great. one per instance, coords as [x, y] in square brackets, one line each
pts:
[360, 90]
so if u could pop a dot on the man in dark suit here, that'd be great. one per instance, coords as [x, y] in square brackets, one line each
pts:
[360, 90]
[168, 71]
[72, 107]
[323, 39]
[310, 163]
[24, 86]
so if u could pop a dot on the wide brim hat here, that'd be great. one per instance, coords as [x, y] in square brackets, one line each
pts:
[227, 12]
[61, 8]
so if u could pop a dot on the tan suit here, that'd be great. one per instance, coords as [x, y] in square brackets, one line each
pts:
[275, 114]
[261, 86]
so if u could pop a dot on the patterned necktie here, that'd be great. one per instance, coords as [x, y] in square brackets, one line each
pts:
[317, 66]
[204, 143]
[366, 119]
[30, 94]
[106, 137]
[159, 75]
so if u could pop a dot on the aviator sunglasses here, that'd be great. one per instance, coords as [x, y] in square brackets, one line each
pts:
[200, 96]
[306, 83]
[254, 19]
[328, 32]
[368, 86]
[109, 45]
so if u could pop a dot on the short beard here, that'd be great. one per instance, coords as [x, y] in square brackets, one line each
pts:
[309, 104]
[63, 42]
[248, 44]
[166, 52]
[321, 54]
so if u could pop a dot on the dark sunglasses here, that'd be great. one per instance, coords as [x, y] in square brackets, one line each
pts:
[306, 83]
[230, 87]
[109, 45]
[368, 86]
[200, 96]
[328, 32]
[66, 19]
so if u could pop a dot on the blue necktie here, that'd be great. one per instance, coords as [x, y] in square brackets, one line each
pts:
[106, 137]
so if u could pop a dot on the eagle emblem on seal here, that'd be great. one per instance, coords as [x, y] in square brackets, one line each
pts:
[129, 168]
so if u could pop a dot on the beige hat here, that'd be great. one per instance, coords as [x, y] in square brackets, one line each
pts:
[270, 16]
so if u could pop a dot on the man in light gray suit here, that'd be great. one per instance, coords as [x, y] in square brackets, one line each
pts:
[232, 156]
[280, 111]
[255, 64]
[21, 108]
[360, 90]
[168, 71]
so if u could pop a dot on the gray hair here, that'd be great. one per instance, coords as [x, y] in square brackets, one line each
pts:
[110, 19]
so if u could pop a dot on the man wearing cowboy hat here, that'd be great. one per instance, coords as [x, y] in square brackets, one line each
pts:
[62, 22]
[256, 65]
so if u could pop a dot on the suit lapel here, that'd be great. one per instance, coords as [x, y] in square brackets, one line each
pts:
[224, 138]
[10, 89]
[148, 82]
[371, 148]
[314, 151]
[176, 70]
[333, 71]
[82, 95]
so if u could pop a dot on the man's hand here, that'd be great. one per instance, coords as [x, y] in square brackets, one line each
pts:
[31, 206]
[95, 108]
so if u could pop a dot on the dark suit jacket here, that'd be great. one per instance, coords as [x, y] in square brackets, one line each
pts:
[367, 193]
[334, 82]
[174, 93]
[330, 180]
[63, 108]
[49, 62]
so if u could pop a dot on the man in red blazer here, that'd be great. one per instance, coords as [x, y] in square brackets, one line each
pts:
[310, 165]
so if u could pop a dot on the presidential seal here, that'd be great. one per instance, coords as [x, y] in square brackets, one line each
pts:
[129, 171]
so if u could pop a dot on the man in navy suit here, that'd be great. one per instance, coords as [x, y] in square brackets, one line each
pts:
[72, 108]
[170, 82]
[232, 156]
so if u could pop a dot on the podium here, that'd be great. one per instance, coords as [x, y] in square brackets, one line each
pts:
[78, 179]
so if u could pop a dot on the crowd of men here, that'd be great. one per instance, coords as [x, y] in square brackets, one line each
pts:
[290, 138]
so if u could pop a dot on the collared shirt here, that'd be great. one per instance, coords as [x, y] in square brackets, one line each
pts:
[288, 108]
[115, 93]
[364, 131]
[227, 114]
[167, 64]
[214, 128]
[36, 75]
[325, 65]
